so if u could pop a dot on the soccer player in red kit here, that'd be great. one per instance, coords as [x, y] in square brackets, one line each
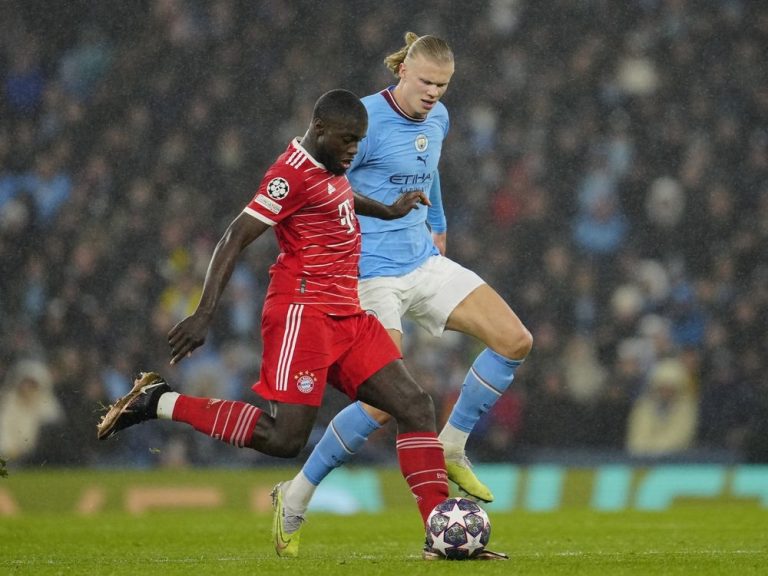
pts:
[313, 328]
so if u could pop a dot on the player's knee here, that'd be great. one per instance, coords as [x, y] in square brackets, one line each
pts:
[280, 443]
[288, 447]
[517, 344]
[524, 342]
[416, 411]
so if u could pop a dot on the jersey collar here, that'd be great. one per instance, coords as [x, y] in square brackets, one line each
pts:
[389, 97]
[297, 144]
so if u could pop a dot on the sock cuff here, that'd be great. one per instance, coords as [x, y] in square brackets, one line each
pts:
[166, 404]
[503, 359]
[372, 424]
[411, 438]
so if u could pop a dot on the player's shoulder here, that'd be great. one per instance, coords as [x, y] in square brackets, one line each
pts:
[290, 171]
[375, 100]
[295, 163]
[296, 157]
[440, 109]
[379, 110]
[439, 112]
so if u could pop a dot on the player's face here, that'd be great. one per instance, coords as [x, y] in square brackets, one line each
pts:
[422, 83]
[337, 143]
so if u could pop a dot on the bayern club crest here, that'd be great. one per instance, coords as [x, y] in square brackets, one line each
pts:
[305, 381]
[421, 142]
[278, 188]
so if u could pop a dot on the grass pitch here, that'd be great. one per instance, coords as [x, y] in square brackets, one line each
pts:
[710, 540]
[691, 538]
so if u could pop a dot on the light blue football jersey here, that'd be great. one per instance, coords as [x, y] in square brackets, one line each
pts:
[399, 154]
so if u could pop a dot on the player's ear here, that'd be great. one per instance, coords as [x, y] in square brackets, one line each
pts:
[319, 126]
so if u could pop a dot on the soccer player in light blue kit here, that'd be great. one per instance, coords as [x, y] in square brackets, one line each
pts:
[403, 272]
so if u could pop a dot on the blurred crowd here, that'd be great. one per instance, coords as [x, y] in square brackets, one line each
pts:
[606, 172]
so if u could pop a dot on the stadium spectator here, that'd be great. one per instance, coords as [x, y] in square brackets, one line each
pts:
[673, 101]
[663, 420]
[28, 406]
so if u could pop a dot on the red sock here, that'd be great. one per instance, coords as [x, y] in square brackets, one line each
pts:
[225, 420]
[423, 466]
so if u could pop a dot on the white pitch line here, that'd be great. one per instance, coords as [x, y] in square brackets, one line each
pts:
[684, 553]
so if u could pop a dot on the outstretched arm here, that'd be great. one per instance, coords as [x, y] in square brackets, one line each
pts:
[190, 333]
[365, 206]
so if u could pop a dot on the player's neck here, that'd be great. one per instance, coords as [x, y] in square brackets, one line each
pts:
[397, 94]
[309, 143]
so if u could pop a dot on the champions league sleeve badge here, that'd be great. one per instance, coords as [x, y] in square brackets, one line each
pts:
[278, 188]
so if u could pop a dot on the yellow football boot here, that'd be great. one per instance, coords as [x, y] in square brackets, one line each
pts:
[286, 530]
[460, 472]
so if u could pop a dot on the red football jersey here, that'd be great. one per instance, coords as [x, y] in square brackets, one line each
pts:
[313, 215]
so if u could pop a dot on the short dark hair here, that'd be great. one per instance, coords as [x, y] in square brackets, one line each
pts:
[336, 105]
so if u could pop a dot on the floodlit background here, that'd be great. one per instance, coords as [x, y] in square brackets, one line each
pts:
[606, 172]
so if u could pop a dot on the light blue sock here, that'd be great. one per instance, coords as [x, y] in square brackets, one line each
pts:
[344, 436]
[490, 375]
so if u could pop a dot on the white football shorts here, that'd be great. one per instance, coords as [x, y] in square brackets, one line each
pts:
[426, 295]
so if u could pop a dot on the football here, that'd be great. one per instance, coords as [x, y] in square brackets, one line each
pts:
[458, 529]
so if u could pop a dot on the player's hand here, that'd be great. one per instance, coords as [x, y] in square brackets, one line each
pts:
[407, 202]
[187, 335]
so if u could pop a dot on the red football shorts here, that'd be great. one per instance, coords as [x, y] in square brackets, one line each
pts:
[304, 349]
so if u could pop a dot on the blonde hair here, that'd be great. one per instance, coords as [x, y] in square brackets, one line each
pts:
[428, 46]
